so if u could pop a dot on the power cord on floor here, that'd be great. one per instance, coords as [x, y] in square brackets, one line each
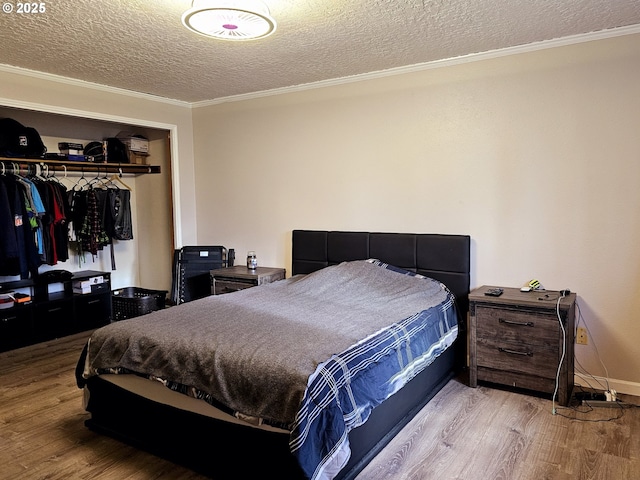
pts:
[590, 409]
[586, 408]
[612, 397]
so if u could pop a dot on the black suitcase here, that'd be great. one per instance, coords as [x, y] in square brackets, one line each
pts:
[191, 266]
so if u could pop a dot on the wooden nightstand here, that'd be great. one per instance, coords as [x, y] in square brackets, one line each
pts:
[232, 279]
[516, 340]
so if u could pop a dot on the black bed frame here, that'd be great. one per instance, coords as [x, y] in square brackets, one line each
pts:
[236, 451]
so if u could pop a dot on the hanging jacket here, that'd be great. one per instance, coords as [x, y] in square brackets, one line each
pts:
[120, 206]
[36, 212]
[61, 222]
[9, 254]
[28, 258]
[92, 234]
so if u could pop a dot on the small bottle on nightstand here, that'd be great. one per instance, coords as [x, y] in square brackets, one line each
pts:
[252, 260]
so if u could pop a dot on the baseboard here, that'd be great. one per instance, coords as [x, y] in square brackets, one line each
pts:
[620, 386]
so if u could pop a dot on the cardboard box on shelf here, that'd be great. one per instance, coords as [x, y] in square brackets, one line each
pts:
[138, 158]
[135, 143]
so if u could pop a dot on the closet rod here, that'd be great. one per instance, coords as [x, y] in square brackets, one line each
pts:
[87, 167]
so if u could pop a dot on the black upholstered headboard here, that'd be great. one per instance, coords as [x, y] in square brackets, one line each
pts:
[443, 257]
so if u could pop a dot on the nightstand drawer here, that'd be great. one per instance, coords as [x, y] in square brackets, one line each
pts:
[500, 355]
[228, 286]
[517, 327]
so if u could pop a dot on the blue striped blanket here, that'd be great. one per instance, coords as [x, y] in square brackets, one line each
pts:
[344, 390]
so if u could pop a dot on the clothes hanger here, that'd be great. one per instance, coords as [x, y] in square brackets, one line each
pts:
[37, 172]
[52, 177]
[97, 180]
[104, 181]
[77, 185]
[118, 178]
[55, 178]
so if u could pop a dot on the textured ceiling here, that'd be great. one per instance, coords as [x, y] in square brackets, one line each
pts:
[141, 45]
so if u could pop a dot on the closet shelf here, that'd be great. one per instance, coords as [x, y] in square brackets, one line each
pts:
[59, 166]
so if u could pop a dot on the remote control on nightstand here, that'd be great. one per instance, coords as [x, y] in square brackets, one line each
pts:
[494, 292]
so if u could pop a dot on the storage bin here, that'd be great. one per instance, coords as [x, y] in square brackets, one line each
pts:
[132, 302]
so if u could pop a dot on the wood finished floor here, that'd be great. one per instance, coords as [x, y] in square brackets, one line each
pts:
[463, 434]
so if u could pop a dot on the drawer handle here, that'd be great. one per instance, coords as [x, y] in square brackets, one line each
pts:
[515, 352]
[93, 301]
[511, 322]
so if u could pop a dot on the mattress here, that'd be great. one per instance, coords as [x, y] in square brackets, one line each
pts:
[158, 392]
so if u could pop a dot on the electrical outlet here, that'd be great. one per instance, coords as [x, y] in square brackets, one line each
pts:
[581, 336]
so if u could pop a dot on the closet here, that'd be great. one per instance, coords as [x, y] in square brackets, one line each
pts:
[145, 260]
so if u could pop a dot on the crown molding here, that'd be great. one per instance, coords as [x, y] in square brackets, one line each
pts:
[474, 57]
[90, 85]
[91, 115]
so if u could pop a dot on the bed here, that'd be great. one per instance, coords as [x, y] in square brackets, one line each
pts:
[323, 419]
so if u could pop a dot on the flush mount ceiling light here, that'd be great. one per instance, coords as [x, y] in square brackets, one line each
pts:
[230, 20]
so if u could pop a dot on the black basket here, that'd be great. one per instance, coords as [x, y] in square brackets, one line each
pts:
[132, 302]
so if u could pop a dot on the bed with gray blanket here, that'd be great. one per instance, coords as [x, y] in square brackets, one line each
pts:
[286, 376]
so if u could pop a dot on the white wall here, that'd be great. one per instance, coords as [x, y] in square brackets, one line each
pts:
[536, 156]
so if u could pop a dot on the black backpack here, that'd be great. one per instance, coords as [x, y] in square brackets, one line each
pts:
[16, 140]
[116, 151]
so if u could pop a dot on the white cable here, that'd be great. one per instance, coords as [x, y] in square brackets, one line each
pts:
[586, 376]
[606, 371]
[564, 349]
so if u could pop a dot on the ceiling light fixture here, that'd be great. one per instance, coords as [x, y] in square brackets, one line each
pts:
[230, 20]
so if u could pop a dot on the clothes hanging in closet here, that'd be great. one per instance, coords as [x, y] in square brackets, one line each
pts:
[36, 215]
[100, 213]
[33, 213]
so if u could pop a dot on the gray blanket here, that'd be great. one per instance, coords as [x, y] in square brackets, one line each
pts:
[254, 350]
